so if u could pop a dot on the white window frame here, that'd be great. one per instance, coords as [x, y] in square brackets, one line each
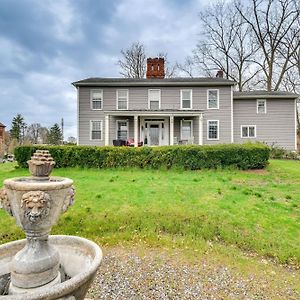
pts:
[191, 100]
[127, 122]
[91, 127]
[91, 98]
[248, 137]
[183, 120]
[159, 100]
[117, 99]
[218, 98]
[213, 139]
[265, 101]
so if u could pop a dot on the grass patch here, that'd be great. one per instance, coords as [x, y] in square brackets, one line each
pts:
[252, 211]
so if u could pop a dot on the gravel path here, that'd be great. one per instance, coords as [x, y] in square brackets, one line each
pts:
[128, 274]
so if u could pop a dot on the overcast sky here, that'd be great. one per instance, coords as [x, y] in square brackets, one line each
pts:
[47, 44]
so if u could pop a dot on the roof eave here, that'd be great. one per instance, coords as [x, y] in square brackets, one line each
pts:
[260, 96]
[151, 83]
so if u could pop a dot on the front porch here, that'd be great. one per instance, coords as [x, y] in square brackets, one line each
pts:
[154, 128]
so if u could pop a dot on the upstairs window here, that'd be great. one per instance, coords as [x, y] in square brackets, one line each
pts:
[96, 130]
[248, 131]
[186, 99]
[186, 129]
[96, 99]
[213, 129]
[122, 130]
[261, 106]
[122, 99]
[213, 99]
[154, 99]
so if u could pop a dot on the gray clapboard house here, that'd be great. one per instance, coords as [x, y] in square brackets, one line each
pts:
[168, 111]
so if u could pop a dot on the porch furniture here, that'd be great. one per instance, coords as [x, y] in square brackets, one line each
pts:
[130, 143]
[119, 143]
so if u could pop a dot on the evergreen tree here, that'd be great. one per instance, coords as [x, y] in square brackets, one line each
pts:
[18, 127]
[55, 135]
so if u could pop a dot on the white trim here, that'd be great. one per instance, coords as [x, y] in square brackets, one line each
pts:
[77, 115]
[192, 131]
[159, 100]
[101, 121]
[171, 130]
[136, 132]
[127, 122]
[218, 98]
[191, 99]
[248, 137]
[265, 101]
[117, 99]
[201, 129]
[296, 107]
[231, 117]
[210, 139]
[91, 99]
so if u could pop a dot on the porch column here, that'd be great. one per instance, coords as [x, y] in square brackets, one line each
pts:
[106, 136]
[136, 131]
[171, 130]
[201, 129]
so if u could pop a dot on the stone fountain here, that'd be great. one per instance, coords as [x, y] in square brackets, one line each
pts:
[42, 266]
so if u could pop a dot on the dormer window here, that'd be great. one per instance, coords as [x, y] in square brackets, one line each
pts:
[261, 106]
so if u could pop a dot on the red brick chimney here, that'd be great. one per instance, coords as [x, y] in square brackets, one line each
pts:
[220, 74]
[155, 68]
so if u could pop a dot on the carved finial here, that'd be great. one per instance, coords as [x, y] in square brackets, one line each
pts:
[41, 164]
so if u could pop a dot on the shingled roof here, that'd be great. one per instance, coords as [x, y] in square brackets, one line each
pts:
[264, 94]
[179, 81]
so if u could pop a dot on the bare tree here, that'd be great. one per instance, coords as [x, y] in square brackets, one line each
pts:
[275, 27]
[225, 45]
[33, 133]
[133, 62]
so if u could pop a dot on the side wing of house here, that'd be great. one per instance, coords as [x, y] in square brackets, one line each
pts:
[266, 118]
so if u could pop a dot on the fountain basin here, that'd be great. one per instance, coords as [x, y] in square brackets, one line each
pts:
[79, 259]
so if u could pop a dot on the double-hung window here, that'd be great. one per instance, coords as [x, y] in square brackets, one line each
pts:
[154, 99]
[248, 131]
[122, 130]
[96, 99]
[213, 129]
[261, 106]
[186, 129]
[212, 99]
[122, 99]
[186, 99]
[96, 130]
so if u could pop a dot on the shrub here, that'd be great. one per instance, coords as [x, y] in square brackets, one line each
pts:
[280, 153]
[192, 157]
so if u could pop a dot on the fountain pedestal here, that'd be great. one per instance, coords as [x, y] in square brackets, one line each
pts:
[36, 202]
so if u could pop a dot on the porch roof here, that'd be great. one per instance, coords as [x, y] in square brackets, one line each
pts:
[158, 113]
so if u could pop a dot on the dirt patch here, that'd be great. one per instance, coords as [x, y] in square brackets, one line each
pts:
[258, 172]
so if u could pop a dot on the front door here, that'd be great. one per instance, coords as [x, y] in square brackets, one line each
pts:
[154, 134]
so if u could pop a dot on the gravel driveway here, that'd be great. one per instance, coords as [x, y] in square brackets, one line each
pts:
[152, 274]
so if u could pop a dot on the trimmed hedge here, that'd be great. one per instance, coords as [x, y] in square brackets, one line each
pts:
[191, 157]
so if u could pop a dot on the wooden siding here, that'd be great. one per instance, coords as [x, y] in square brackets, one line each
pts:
[170, 99]
[276, 127]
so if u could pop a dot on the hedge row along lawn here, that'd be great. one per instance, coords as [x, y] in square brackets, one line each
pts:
[255, 211]
[192, 157]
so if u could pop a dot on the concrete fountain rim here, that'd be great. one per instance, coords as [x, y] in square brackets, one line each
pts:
[31, 184]
[64, 288]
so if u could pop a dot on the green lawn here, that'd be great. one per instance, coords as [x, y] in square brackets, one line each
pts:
[257, 212]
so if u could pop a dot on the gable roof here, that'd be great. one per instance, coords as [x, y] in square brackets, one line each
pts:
[264, 95]
[179, 81]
